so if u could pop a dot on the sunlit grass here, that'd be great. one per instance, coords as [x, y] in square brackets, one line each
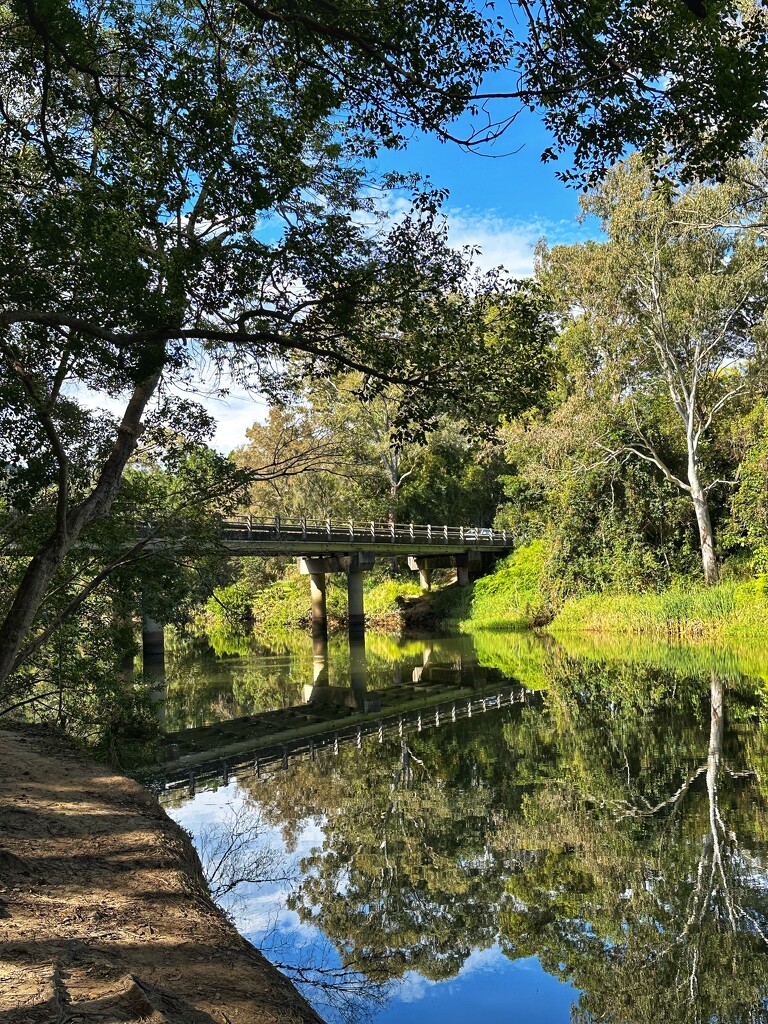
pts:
[509, 598]
[686, 610]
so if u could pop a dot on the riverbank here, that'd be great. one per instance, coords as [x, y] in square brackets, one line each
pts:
[515, 598]
[105, 913]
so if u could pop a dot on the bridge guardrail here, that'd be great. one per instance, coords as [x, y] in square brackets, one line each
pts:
[279, 528]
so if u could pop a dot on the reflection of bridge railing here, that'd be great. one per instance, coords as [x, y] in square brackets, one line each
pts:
[262, 760]
[277, 530]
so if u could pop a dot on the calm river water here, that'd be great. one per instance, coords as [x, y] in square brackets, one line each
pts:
[590, 845]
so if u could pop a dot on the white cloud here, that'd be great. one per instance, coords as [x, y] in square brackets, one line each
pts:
[234, 414]
[507, 243]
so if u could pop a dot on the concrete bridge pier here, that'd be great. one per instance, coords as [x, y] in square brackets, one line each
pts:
[153, 662]
[355, 605]
[319, 613]
[353, 566]
[464, 564]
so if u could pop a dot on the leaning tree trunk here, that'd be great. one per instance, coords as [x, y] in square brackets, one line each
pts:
[45, 564]
[704, 522]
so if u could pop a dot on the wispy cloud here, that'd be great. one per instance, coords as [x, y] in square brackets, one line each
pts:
[508, 243]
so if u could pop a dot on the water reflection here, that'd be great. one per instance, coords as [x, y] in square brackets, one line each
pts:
[616, 833]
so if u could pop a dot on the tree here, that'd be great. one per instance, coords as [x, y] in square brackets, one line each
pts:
[671, 309]
[303, 466]
[686, 82]
[183, 183]
[156, 553]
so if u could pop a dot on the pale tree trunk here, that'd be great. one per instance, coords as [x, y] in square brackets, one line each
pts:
[45, 564]
[700, 500]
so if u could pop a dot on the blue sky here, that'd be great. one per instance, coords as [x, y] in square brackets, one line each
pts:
[503, 204]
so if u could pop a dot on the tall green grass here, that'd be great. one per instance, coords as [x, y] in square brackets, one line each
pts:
[685, 611]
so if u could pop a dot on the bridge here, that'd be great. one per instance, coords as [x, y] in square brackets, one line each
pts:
[248, 535]
[323, 546]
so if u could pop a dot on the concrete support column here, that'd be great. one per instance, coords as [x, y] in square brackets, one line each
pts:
[153, 662]
[425, 577]
[462, 575]
[356, 609]
[319, 616]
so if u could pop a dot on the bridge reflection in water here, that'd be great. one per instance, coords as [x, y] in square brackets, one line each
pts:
[435, 692]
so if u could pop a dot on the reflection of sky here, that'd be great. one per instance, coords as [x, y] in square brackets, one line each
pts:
[490, 987]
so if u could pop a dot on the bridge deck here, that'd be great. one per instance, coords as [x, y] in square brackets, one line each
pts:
[249, 535]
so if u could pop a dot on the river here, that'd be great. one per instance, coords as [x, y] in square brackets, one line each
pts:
[506, 828]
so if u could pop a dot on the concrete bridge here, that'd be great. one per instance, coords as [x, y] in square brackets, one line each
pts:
[323, 546]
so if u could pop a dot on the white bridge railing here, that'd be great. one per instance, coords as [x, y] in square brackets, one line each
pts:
[277, 528]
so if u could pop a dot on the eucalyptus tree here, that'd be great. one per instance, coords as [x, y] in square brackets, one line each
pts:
[183, 183]
[671, 313]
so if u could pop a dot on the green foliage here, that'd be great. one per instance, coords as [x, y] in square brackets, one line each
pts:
[661, 364]
[143, 192]
[575, 63]
[748, 523]
[382, 600]
[510, 597]
[230, 605]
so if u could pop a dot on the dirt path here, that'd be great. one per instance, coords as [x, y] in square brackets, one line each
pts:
[104, 916]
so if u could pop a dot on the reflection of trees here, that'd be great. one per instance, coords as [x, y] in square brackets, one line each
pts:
[233, 853]
[645, 897]
[610, 834]
[408, 877]
[237, 854]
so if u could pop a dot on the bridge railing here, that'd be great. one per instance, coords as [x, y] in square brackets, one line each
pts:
[276, 528]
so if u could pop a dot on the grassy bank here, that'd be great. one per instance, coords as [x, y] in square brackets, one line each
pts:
[514, 597]
[686, 611]
[509, 598]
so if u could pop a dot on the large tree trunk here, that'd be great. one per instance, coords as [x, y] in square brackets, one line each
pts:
[46, 563]
[704, 522]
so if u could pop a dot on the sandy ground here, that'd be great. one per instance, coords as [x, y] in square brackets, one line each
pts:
[104, 916]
